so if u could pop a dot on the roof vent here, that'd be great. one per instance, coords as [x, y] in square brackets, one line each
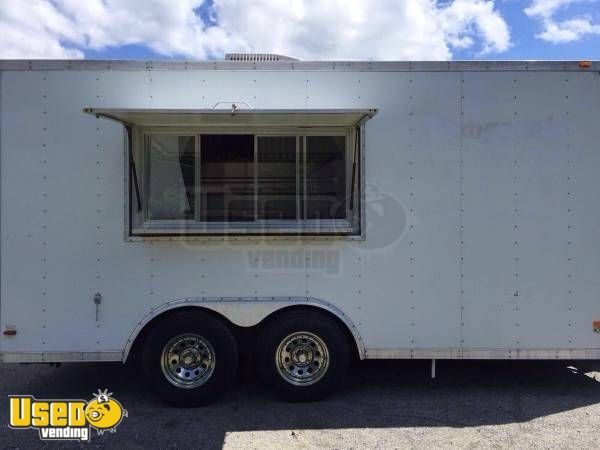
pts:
[257, 57]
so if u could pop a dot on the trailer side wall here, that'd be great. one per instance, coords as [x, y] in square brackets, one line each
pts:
[480, 202]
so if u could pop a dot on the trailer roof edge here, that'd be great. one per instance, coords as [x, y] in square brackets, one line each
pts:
[378, 66]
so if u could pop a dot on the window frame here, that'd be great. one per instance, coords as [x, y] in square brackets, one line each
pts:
[350, 228]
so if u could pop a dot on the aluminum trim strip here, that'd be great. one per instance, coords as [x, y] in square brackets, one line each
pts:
[520, 354]
[498, 354]
[48, 357]
[383, 66]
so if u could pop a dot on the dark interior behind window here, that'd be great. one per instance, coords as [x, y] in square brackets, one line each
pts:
[276, 178]
[325, 177]
[226, 178]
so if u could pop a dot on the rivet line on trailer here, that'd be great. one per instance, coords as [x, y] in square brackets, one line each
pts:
[570, 198]
[44, 202]
[411, 201]
[515, 182]
[97, 152]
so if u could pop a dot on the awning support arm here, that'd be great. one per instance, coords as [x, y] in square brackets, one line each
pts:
[354, 164]
[133, 168]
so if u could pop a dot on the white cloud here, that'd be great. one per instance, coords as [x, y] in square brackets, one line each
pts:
[308, 29]
[546, 8]
[459, 19]
[35, 29]
[568, 30]
[561, 30]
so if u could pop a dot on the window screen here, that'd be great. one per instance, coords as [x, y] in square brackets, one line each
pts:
[171, 173]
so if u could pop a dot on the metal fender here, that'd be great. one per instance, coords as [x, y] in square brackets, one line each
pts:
[245, 312]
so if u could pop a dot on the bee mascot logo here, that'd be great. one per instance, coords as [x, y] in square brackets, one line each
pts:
[67, 419]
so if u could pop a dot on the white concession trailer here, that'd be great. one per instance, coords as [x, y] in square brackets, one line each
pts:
[299, 213]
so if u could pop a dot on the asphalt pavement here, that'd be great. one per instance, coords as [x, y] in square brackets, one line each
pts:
[382, 404]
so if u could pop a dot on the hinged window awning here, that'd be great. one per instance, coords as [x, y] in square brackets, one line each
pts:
[238, 117]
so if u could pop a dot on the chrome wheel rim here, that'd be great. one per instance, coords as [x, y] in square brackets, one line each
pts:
[188, 361]
[302, 358]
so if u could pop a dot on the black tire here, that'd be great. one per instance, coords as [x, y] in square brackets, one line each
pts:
[174, 328]
[313, 324]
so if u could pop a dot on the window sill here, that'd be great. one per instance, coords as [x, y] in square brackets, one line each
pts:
[258, 229]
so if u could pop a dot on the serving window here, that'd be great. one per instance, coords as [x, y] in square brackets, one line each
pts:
[242, 171]
[207, 182]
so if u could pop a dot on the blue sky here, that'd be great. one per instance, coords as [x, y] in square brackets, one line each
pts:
[527, 46]
[307, 29]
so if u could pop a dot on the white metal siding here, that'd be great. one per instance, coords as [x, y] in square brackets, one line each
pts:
[530, 189]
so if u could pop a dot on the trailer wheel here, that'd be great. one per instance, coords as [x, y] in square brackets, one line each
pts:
[303, 356]
[189, 358]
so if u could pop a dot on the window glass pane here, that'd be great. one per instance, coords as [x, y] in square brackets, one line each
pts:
[171, 162]
[325, 177]
[227, 178]
[276, 177]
